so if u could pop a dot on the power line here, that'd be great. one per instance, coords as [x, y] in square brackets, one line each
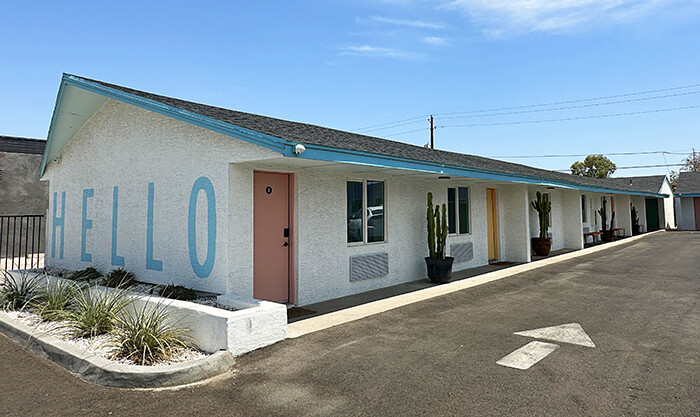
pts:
[574, 107]
[410, 131]
[633, 167]
[598, 153]
[417, 118]
[556, 103]
[566, 119]
[391, 127]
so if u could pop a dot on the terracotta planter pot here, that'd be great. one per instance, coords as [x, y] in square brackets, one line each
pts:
[439, 270]
[541, 246]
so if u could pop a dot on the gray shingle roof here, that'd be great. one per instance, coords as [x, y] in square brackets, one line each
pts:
[649, 183]
[12, 144]
[688, 183]
[318, 135]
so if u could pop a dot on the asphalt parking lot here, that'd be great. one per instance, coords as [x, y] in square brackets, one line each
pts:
[638, 303]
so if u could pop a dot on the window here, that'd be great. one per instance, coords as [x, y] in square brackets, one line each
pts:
[458, 210]
[365, 211]
[584, 213]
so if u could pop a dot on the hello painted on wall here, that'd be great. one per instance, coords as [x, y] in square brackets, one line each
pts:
[202, 185]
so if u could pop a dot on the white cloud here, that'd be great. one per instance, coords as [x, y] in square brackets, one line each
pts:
[404, 22]
[502, 17]
[436, 40]
[376, 51]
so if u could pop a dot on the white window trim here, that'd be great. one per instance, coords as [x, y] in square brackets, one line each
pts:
[364, 211]
[469, 209]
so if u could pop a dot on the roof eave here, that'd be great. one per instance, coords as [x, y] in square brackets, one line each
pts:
[325, 153]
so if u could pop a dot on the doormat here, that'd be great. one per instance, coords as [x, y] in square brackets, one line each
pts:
[298, 312]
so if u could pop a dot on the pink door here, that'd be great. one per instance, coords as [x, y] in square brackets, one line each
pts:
[696, 203]
[271, 236]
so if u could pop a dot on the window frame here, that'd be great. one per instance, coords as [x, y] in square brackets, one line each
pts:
[469, 210]
[364, 211]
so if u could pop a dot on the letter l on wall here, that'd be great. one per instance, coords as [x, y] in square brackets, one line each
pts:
[152, 264]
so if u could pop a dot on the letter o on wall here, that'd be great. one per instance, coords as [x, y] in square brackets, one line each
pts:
[202, 270]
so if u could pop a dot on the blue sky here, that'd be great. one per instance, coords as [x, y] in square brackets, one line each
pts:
[352, 64]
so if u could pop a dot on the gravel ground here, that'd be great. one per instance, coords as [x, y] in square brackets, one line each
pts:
[104, 345]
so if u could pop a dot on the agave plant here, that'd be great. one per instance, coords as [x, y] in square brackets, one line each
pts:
[18, 291]
[86, 275]
[148, 335]
[119, 278]
[53, 301]
[95, 312]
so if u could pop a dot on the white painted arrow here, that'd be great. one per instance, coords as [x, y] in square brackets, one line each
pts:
[533, 352]
[567, 333]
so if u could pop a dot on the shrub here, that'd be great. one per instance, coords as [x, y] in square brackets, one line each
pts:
[95, 313]
[16, 292]
[86, 275]
[119, 278]
[178, 292]
[148, 336]
[53, 300]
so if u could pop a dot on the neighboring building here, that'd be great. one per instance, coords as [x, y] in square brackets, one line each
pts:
[654, 213]
[237, 203]
[688, 201]
[21, 194]
[20, 189]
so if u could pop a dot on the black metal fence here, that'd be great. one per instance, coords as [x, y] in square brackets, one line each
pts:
[21, 241]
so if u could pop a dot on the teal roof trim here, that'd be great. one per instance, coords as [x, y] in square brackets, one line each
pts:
[323, 153]
[257, 138]
[313, 152]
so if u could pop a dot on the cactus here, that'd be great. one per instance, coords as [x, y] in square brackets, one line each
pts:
[635, 220]
[437, 229]
[431, 227]
[602, 215]
[543, 207]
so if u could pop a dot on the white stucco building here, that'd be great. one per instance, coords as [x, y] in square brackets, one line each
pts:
[688, 201]
[236, 203]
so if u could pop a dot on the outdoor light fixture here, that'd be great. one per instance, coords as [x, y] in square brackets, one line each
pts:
[299, 149]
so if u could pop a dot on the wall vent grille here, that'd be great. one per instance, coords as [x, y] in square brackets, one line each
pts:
[369, 266]
[462, 252]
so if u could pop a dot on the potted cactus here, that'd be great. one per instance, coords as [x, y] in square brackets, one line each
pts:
[439, 265]
[636, 228]
[542, 245]
[607, 233]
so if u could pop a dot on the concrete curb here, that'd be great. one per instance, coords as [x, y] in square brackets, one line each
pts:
[100, 371]
[335, 318]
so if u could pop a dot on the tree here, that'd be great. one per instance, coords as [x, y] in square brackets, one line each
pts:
[690, 164]
[595, 166]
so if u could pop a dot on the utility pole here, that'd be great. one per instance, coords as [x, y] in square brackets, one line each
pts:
[432, 128]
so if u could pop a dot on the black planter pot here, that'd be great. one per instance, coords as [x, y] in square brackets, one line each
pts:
[439, 270]
[607, 236]
[541, 246]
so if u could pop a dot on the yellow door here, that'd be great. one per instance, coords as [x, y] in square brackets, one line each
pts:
[492, 220]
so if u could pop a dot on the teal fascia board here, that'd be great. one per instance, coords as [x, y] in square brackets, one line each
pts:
[49, 136]
[313, 152]
[688, 195]
[323, 153]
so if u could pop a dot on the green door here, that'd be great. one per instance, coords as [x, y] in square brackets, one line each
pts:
[652, 214]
